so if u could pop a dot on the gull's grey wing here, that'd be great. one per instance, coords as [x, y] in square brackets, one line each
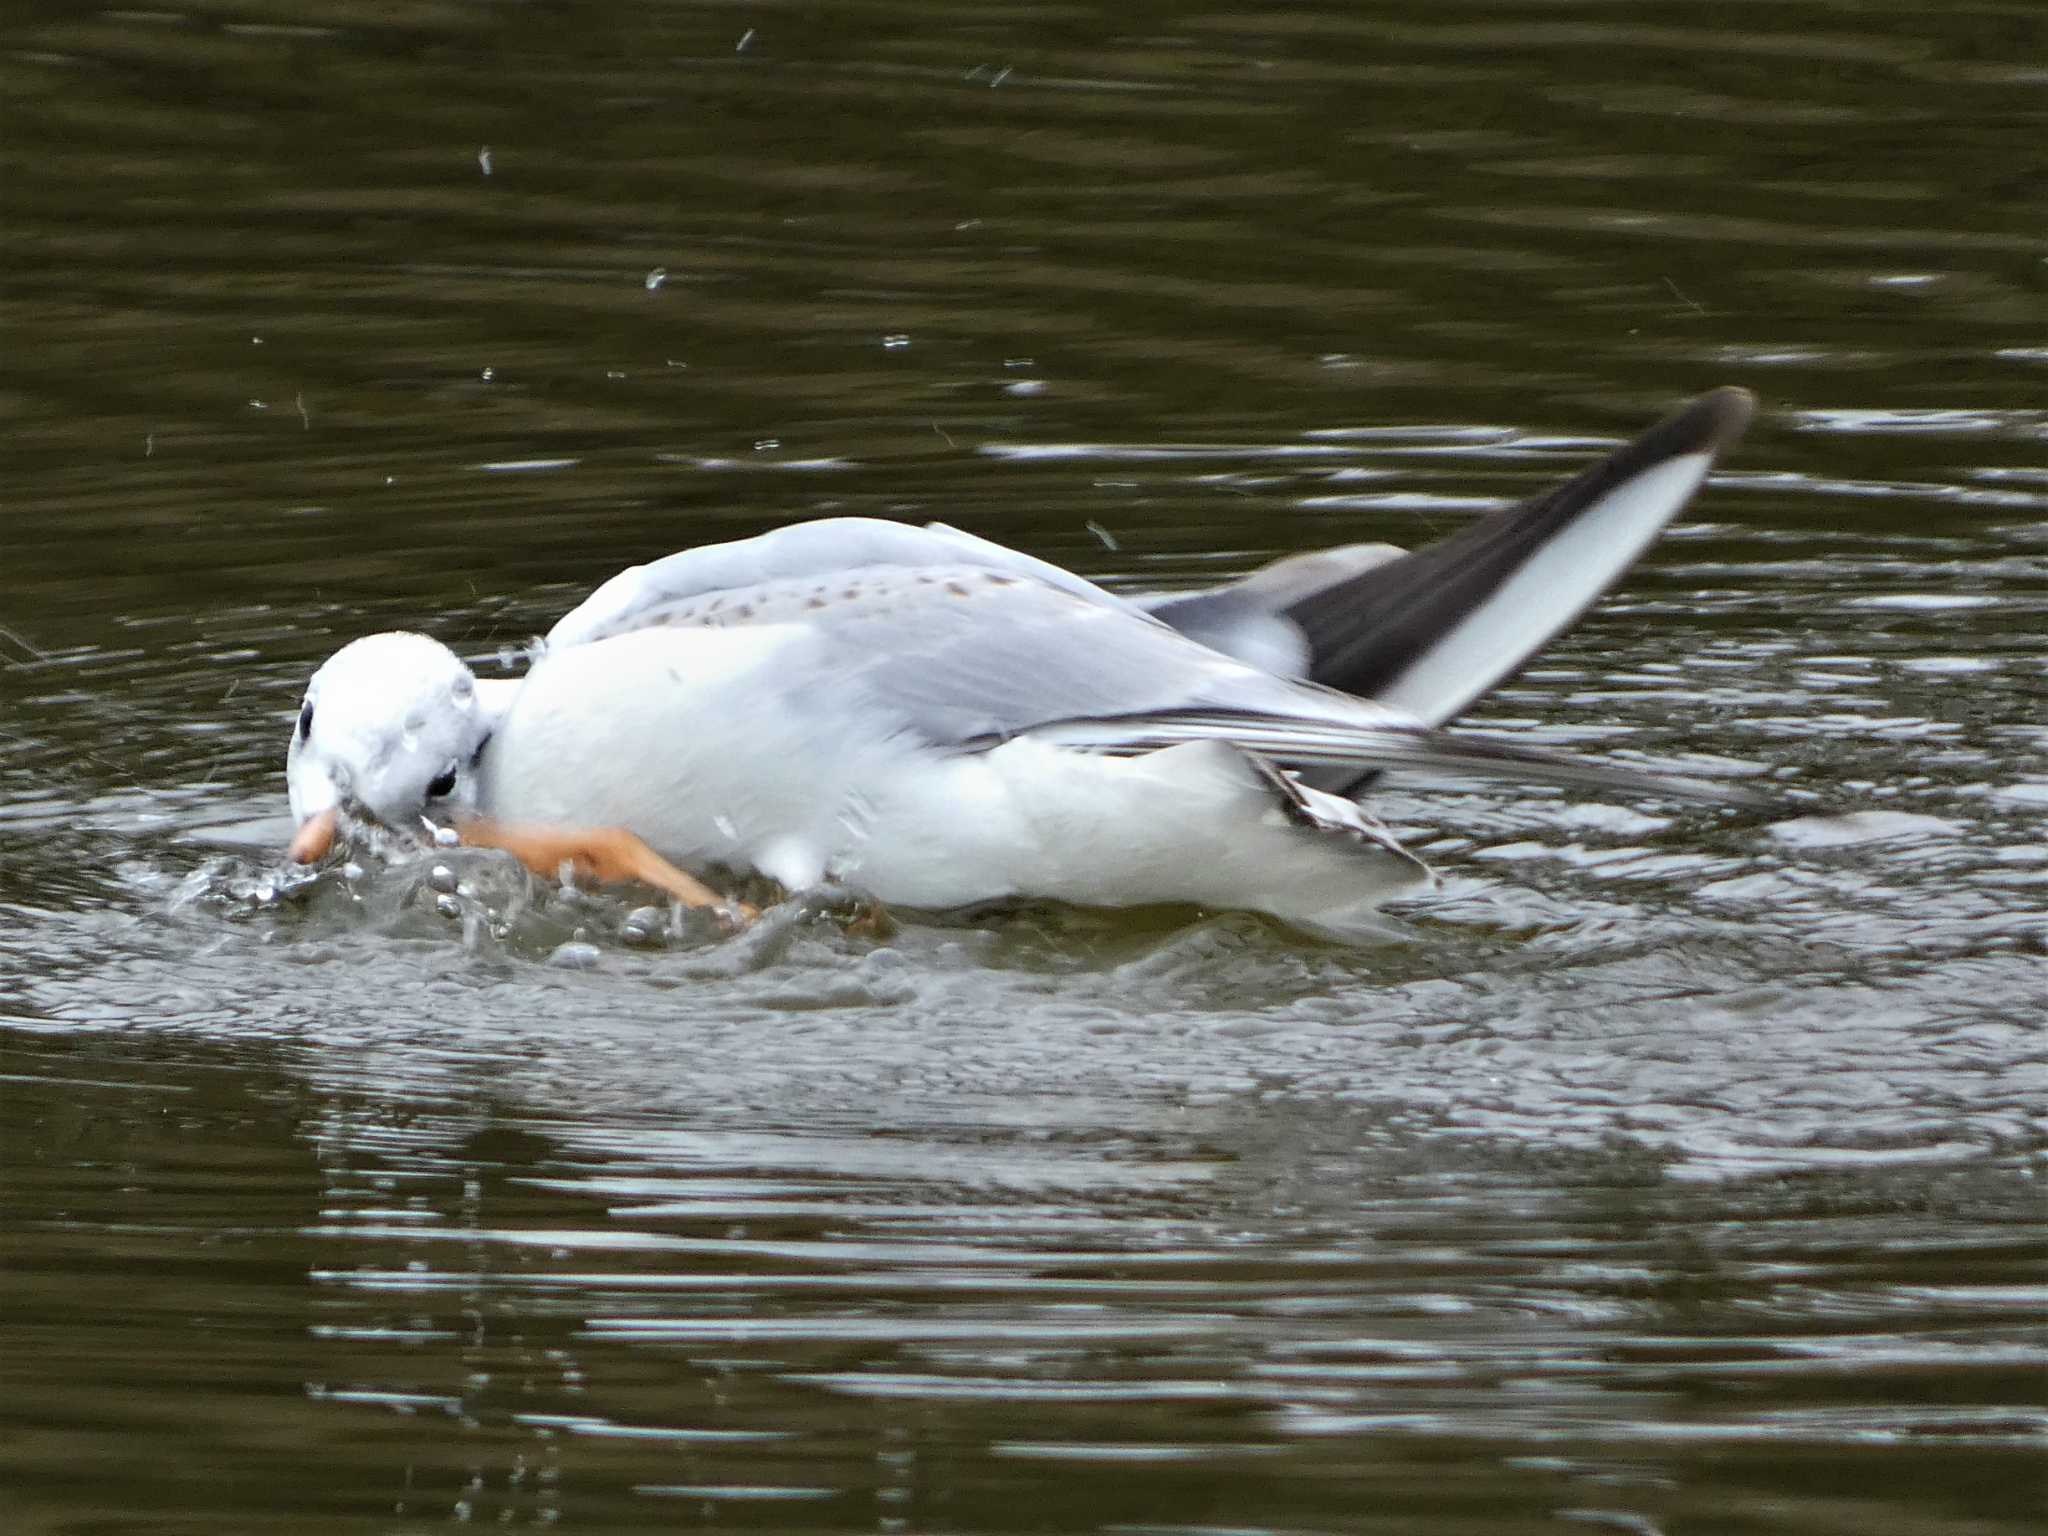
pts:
[723, 583]
[966, 658]
[958, 653]
[947, 635]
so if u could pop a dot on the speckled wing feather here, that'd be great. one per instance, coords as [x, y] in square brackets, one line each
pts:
[958, 653]
[750, 580]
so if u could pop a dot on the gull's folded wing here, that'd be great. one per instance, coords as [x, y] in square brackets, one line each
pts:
[965, 658]
[962, 643]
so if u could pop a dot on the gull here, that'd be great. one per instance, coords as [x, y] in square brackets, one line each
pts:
[937, 721]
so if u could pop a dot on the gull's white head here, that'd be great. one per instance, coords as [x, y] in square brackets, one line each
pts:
[391, 732]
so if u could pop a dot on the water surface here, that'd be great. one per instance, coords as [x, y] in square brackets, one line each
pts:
[1671, 1172]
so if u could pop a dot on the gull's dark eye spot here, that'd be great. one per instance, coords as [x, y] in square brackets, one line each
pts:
[306, 722]
[442, 787]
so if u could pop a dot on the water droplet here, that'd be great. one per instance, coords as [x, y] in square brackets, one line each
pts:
[765, 444]
[575, 956]
[895, 341]
[486, 374]
[746, 37]
[656, 278]
[447, 837]
[448, 906]
[442, 879]
[483, 159]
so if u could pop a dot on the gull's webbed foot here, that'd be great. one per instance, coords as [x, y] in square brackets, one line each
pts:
[606, 856]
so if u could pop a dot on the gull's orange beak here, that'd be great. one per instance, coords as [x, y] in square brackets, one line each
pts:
[311, 842]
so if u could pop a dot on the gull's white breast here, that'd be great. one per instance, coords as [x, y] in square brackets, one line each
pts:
[722, 745]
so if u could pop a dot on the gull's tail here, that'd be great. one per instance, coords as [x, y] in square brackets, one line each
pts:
[1323, 749]
[1433, 630]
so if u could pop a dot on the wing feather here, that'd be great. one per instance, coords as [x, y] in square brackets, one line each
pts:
[1303, 743]
[730, 582]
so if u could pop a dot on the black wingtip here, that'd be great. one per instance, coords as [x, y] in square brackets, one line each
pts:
[1709, 424]
[1738, 402]
[1719, 416]
[1365, 634]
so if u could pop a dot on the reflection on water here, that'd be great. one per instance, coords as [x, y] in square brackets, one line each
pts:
[1669, 1171]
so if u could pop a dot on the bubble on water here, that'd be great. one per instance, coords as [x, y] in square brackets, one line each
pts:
[442, 879]
[644, 927]
[447, 837]
[448, 906]
[575, 956]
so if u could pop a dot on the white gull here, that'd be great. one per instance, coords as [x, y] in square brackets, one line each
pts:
[938, 721]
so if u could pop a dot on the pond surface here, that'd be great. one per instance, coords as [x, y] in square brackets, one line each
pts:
[1672, 1171]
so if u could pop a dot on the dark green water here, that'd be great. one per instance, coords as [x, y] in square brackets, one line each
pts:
[1675, 1175]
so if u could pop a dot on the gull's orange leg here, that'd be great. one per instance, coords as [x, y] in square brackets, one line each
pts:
[609, 855]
